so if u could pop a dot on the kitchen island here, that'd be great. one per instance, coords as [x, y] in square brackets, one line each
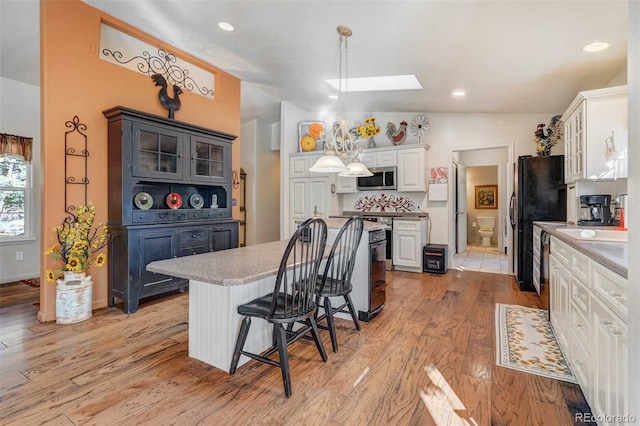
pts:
[221, 281]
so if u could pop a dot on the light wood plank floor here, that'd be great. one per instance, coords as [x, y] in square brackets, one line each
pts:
[428, 358]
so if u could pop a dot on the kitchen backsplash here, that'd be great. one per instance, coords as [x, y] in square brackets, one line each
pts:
[388, 201]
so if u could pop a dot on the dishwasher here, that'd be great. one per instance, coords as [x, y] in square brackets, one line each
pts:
[545, 291]
[376, 292]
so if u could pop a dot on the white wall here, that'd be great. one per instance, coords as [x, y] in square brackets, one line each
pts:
[262, 165]
[20, 115]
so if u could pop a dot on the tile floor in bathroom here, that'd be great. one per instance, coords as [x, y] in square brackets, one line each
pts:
[482, 259]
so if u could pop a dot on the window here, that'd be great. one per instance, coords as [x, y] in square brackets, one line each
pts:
[15, 192]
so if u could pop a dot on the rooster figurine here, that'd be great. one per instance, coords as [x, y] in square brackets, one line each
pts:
[397, 136]
[172, 104]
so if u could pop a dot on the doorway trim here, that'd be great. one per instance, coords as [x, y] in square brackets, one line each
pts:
[510, 189]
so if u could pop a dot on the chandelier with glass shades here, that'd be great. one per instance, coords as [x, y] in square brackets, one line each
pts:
[340, 143]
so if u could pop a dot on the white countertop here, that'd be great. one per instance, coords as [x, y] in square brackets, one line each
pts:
[612, 255]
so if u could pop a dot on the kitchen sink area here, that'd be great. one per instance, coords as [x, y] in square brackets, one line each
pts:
[609, 235]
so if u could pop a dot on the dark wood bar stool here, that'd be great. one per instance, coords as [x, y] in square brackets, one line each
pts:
[335, 280]
[292, 300]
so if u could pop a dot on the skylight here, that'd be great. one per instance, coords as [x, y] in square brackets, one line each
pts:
[382, 83]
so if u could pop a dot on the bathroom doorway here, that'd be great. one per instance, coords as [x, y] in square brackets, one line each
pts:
[487, 174]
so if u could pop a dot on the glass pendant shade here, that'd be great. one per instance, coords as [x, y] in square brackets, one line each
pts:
[355, 169]
[328, 163]
[340, 142]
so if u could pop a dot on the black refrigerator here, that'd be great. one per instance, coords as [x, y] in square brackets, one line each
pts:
[541, 195]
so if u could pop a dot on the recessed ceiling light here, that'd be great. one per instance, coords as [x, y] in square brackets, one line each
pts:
[333, 96]
[225, 26]
[595, 46]
[458, 93]
[372, 84]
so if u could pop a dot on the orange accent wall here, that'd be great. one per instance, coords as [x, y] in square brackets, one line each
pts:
[75, 81]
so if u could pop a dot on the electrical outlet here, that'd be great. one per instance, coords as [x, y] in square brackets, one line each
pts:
[19, 255]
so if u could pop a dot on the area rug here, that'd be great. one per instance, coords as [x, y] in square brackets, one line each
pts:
[526, 342]
[31, 282]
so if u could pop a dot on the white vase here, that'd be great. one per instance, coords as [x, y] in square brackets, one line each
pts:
[73, 298]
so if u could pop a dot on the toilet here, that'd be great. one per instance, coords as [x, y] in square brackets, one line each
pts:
[485, 229]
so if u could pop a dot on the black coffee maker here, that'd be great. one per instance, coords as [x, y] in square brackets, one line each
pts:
[595, 210]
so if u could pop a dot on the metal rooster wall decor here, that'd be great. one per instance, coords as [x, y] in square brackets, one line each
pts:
[172, 104]
[543, 142]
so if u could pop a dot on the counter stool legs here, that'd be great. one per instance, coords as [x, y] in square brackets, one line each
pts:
[281, 343]
[242, 337]
[352, 310]
[328, 310]
[317, 339]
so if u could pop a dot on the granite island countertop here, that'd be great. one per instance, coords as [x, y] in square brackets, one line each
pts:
[612, 255]
[240, 265]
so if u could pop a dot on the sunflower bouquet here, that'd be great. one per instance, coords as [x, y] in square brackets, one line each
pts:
[78, 242]
[369, 129]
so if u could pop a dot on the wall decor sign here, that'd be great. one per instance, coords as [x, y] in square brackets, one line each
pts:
[310, 135]
[486, 197]
[438, 175]
[384, 203]
[128, 52]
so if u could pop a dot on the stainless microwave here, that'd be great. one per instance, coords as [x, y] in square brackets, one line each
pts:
[383, 178]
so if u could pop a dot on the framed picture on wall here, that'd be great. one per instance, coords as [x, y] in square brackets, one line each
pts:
[309, 135]
[486, 196]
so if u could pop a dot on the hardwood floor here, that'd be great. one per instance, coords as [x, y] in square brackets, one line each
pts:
[428, 358]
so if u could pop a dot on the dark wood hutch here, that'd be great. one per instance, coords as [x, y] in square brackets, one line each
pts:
[159, 156]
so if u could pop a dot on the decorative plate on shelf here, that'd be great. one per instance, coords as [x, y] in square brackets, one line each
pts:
[196, 201]
[174, 200]
[143, 200]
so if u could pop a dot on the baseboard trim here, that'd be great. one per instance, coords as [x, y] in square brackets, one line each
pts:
[15, 278]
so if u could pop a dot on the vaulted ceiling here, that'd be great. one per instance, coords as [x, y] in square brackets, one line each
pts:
[509, 56]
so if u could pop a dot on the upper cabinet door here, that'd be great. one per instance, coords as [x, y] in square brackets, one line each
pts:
[411, 170]
[387, 158]
[157, 152]
[208, 160]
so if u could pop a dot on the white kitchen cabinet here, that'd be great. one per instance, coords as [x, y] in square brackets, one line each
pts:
[409, 236]
[308, 191]
[299, 165]
[596, 135]
[610, 363]
[412, 170]
[588, 308]
[380, 158]
[346, 185]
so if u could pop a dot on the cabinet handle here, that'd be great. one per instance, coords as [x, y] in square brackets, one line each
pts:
[579, 296]
[194, 236]
[616, 295]
[578, 363]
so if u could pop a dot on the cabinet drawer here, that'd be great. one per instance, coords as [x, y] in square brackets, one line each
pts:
[162, 216]
[193, 237]
[406, 225]
[178, 215]
[580, 297]
[610, 288]
[580, 361]
[561, 251]
[579, 265]
[141, 217]
[536, 239]
[188, 251]
[197, 214]
[215, 213]
[579, 325]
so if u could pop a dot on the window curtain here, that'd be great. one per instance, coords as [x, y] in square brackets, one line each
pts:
[16, 145]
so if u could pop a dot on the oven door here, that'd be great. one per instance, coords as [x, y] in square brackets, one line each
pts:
[378, 275]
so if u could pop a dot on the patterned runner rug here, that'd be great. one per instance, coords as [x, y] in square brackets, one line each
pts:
[31, 282]
[526, 342]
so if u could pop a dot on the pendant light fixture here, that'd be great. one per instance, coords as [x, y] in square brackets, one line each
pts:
[340, 143]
